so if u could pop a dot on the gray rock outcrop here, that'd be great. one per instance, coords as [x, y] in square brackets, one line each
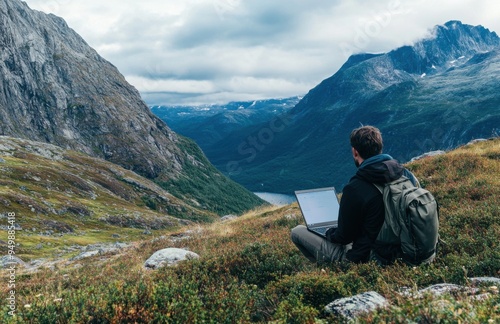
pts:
[169, 257]
[228, 218]
[349, 308]
[11, 260]
[431, 153]
[100, 249]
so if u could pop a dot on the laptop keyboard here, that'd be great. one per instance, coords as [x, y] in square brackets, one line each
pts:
[321, 230]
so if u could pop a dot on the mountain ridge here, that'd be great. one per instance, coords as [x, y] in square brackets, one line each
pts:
[55, 88]
[437, 94]
[66, 197]
[208, 124]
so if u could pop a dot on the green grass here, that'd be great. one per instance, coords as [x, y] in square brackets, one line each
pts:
[249, 270]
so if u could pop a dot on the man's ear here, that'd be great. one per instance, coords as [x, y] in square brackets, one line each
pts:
[355, 153]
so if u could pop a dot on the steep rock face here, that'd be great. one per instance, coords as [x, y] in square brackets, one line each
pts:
[364, 75]
[55, 88]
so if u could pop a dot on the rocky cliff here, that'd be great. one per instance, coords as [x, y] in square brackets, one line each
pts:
[363, 75]
[55, 88]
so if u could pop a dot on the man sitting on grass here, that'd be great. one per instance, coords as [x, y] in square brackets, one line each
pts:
[362, 209]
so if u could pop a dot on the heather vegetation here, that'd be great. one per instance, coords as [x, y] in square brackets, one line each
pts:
[249, 271]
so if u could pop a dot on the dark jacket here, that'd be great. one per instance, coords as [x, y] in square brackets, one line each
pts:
[362, 208]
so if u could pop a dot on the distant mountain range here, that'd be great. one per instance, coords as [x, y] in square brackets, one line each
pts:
[439, 93]
[56, 89]
[209, 124]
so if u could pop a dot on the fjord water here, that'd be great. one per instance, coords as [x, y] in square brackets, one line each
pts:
[276, 198]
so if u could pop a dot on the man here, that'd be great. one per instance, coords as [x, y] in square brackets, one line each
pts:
[362, 210]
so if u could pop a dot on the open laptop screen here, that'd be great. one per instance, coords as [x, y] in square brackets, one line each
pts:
[318, 206]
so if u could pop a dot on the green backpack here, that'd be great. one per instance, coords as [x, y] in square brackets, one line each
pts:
[411, 220]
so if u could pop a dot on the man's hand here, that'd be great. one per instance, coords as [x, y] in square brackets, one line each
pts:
[329, 233]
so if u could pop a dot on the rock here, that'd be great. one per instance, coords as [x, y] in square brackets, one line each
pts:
[444, 288]
[2, 160]
[37, 264]
[96, 249]
[119, 245]
[476, 141]
[432, 153]
[435, 290]
[491, 280]
[9, 260]
[351, 307]
[85, 255]
[169, 257]
[228, 217]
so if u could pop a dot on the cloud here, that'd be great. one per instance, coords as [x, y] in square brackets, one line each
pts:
[178, 86]
[186, 52]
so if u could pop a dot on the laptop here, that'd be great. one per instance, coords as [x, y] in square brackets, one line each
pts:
[320, 208]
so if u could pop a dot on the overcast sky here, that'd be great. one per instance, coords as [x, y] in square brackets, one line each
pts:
[190, 52]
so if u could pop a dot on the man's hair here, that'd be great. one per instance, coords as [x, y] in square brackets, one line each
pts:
[367, 140]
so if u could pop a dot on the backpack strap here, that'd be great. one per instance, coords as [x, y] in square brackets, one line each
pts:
[379, 187]
[407, 173]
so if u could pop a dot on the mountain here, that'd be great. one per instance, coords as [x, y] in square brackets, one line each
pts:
[54, 88]
[439, 93]
[209, 124]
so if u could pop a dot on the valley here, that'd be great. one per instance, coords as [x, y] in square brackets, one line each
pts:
[437, 94]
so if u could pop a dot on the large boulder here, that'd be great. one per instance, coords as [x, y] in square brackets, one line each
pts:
[351, 307]
[168, 257]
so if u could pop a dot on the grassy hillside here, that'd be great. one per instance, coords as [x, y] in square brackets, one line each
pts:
[249, 271]
[202, 186]
[64, 197]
